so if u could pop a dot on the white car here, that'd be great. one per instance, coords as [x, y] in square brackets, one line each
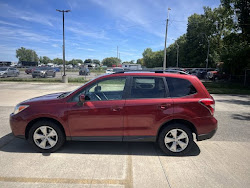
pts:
[109, 71]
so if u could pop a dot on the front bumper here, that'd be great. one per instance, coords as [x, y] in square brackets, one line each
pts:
[17, 125]
[38, 74]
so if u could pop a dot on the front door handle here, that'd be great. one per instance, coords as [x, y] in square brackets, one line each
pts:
[116, 108]
[164, 106]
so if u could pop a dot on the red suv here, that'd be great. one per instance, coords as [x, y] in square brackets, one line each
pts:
[145, 107]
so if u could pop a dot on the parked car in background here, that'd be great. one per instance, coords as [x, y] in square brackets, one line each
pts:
[43, 72]
[84, 71]
[8, 71]
[201, 73]
[57, 69]
[176, 71]
[117, 69]
[109, 71]
[136, 106]
[29, 70]
[217, 75]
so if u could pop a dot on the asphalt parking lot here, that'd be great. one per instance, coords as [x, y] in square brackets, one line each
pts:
[222, 161]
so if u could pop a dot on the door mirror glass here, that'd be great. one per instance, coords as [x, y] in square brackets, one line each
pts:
[82, 98]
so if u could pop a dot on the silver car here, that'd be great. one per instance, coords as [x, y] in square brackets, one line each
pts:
[43, 72]
[8, 71]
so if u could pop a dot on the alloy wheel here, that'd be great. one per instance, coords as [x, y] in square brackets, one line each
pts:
[176, 140]
[45, 137]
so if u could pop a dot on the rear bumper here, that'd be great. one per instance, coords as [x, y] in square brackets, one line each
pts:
[206, 136]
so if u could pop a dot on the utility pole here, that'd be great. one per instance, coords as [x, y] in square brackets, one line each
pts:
[177, 60]
[64, 77]
[165, 49]
[117, 53]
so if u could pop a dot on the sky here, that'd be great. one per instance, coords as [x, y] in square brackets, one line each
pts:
[93, 28]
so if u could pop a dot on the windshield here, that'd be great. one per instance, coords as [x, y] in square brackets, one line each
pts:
[42, 68]
[69, 93]
[3, 69]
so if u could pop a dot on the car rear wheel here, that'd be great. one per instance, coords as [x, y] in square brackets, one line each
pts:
[176, 139]
[46, 136]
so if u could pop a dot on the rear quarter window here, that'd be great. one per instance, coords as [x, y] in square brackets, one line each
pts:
[179, 87]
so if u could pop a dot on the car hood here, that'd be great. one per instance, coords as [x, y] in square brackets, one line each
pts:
[44, 98]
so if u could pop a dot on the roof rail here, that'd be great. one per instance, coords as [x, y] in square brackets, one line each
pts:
[155, 71]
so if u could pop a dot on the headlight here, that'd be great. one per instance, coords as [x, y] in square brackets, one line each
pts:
[20, 108]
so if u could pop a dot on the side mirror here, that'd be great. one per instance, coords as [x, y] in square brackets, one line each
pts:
[82, 98]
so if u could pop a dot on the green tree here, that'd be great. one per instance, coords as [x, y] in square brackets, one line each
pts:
[109, 61]
[153, 59]
[96, 61]
[58, 61]
[140, 61]
[88, 61]
[75, 61]
[24, 54]
[44, 60]
[241, 9]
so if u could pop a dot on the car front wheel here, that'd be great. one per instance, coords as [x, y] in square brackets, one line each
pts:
[46, 136]
[176, 139]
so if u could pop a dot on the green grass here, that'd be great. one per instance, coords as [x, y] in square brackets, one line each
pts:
[227, 88]
[44, 80]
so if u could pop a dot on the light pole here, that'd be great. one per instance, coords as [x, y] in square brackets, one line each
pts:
[177, 59]
[165, 49]
[64, 77]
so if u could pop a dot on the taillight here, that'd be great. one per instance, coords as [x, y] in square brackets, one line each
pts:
[209, 104]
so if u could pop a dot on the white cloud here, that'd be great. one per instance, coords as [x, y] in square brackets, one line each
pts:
[134, 13]
[24, 36]
[82, 32]
[10, 12]
[9, 24]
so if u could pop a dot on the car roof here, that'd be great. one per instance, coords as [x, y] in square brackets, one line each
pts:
[174, 75]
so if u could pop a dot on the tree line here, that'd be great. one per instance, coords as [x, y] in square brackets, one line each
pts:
[224, 30]
[30, 55]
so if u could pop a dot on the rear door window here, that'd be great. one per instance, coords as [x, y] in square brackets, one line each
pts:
[180, 87]
[147, 87]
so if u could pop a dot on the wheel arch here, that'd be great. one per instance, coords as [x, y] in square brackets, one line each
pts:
[180, 121]
[31, 123]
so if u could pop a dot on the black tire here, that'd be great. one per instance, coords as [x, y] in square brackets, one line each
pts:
[33, 76]
[50, 126]
[54, 75]
[180, 129]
